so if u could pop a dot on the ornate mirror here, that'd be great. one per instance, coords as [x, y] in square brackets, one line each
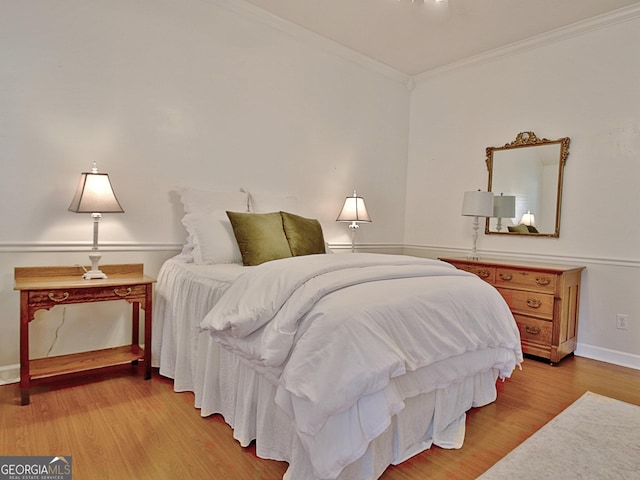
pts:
[525, 177]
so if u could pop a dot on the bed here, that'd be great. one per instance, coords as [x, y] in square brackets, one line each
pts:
[339, 364]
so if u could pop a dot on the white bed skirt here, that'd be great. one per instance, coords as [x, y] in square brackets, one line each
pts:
[245, 399]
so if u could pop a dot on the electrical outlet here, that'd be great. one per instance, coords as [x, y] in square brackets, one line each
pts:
[622, 321]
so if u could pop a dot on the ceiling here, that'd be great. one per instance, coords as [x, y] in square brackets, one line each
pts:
[415, 36]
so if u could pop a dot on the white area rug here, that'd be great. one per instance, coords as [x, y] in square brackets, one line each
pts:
[596, 437]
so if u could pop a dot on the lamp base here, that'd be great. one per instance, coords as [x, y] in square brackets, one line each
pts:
[473, 255]
[95, 273]
[353, 227]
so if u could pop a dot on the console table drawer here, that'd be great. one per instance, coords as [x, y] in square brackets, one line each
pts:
[529, 303]
[525, 279]
[81, 295]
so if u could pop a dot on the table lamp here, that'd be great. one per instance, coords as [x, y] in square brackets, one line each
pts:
[95, 196]
[354, 211]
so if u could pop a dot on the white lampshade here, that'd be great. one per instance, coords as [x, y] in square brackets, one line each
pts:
[354, 210]
[504, 206]
[528, 219]
[95, 195]
[477, 204]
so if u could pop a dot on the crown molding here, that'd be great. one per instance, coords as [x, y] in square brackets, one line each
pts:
[313, 39]
[576, 29]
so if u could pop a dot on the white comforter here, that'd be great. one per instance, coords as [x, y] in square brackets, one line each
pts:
[334, 330]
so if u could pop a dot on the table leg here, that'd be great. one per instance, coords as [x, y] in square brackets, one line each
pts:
[25, 382]
[148, 308]
[135, 327]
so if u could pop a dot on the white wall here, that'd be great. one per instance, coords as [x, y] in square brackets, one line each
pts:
[582, 84]
[209, 94]
[215, 94]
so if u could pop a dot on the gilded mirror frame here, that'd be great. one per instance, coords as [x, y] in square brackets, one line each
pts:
[527, 140]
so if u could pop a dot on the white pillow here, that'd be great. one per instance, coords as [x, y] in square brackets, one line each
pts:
[213, 238]
[264, 203]
[201, 201]
[198, 201]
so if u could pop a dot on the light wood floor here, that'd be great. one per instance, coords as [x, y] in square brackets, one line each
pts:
[120, 427]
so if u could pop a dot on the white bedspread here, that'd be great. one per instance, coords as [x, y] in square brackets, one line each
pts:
[334, 330]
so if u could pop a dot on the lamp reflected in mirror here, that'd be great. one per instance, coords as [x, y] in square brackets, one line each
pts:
[504, 206]
[528, 219]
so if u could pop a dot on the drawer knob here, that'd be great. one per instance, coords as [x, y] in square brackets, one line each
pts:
[483, 273]
[543, 280]
[532, 330]
[506, 276]
[533, 303]
[122, 293]
[62, 298]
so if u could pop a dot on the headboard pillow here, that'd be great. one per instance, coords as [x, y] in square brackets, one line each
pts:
[260, 236]
[304, 235]
[212, 237]
[204, 201]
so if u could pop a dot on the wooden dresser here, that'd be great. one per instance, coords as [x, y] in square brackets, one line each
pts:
[544, 299]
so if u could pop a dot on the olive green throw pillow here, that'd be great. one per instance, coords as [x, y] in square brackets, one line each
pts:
[260, 236]
[303, 234]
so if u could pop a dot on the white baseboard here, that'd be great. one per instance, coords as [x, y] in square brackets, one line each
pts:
[609, 356]
[9, 374]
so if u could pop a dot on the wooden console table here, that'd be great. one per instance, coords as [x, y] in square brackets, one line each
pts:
[544, 300]
[42, 288]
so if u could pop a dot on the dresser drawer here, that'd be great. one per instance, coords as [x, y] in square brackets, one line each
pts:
[534, 330]
[525, 279]
[486, 273]
[529, 303]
